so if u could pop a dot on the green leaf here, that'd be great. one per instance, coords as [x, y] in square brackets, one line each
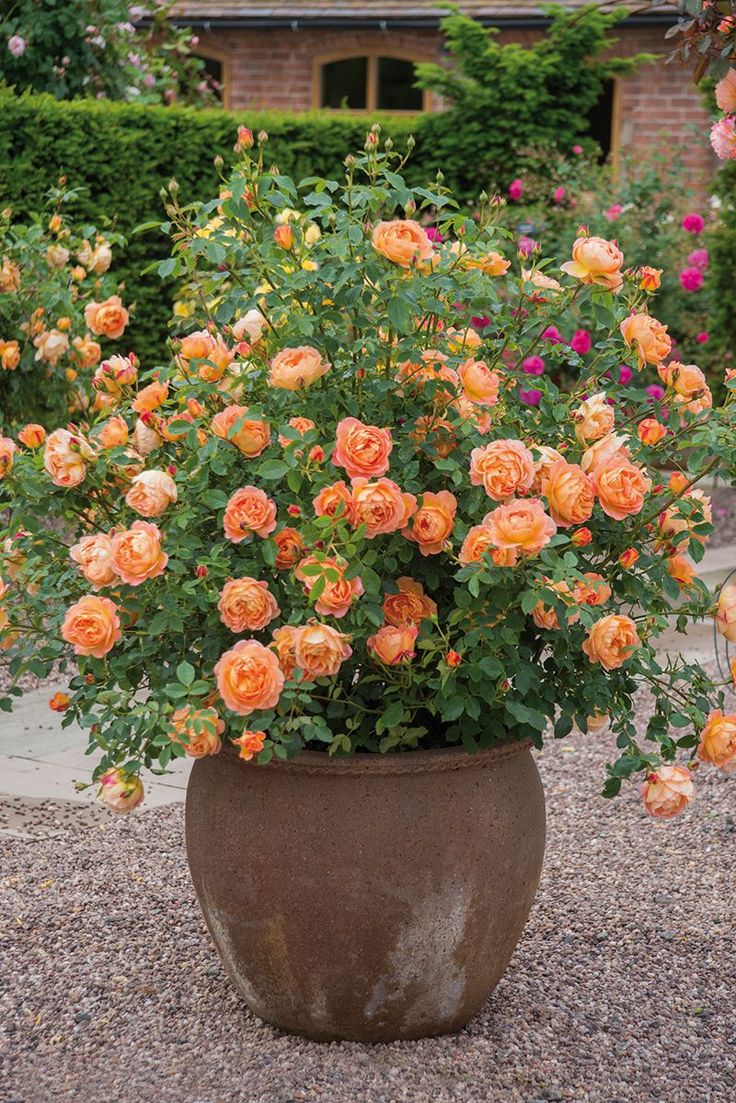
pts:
[185, 673]
[272, 470]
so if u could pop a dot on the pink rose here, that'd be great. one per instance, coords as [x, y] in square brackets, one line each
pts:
[516, 189]
[693, 223]
[691, 279]
[581, 342]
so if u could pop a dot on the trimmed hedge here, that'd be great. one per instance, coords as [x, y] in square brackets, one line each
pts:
[122, 155]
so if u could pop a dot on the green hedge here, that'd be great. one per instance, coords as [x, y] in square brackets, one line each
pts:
[122, 155]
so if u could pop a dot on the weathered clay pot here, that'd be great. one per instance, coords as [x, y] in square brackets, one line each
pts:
[367, 898]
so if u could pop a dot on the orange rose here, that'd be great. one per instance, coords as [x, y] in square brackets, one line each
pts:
[32, 435]
[202, 345]
[249, 677]
[59, 702]
[51, 345]
[548, 457]
[197, 730]
[410, 606]
[338, 592]
[249, 511]
[593, 418]
[119, 791]
[479, 383]
[570, 494]
[87, 352]
[137, 554]
[151, 397]
[595, 260]
[725, 90]
[250, 744]
[649, 336]
[302, 426]
[381, 506]
[610, 447]
[521, 524]
[431, 368]
[628, 558]
[295, 368]
[63, 460]
[251, 325]
[611, 641]
[726, 613]
[7, 454]
[503, 468]
[650, 431]
[437, 432]
[621, 488]
[689, 384]
[476, 543]
[392, 645]
[718, 741]
[334, 501]
[363, 450]
[650, 279]
[592, 589]
[402, 241]
[113, 433]
[250, 437]
[290, 548]
[284, 642]
[432, 523]
[667, 792]
[682, 569]
[546, 616]
[459, 340]
[9, 355]
[93, 555]
[320, 650]
[151, 493]
[92, 626]
[109, 318]
[114, 374]
[247, 605]
[491, 263]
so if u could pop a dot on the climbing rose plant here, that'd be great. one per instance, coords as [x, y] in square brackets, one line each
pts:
[336, 519]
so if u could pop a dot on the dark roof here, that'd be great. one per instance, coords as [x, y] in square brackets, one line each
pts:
[373, 13]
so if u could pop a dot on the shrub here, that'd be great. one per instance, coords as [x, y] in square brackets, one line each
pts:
[722, 246]
[338, 518]
[50, 271]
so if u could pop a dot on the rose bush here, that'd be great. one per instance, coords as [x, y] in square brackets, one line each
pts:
[59, 308]
[336, 519]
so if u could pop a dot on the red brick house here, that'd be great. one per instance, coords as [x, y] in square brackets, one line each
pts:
[359, 54]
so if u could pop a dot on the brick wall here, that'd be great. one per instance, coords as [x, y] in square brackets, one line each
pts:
[656, 107]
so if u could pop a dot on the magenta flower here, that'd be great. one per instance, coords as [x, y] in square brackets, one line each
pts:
[558, 195]
[703, 338]
[531, 398]
[613, 213]
[577, 150]
[553, 335]
[480, 321]
[533, 365]
[581, 342]
[693, 223]
[655, 391]
[516, 189]
[699, 258]
[433, 234]
[625, 374]
[526, 245]
[691, 279]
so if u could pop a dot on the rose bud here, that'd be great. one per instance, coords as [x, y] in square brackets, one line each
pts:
[201, 571]
[59, 702]
[294, 511]
[628, 558]
[453, 659]
[581, 537]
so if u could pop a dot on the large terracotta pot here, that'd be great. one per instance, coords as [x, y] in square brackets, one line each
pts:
[367, 898]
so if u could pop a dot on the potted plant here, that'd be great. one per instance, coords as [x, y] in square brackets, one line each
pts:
[337, 552]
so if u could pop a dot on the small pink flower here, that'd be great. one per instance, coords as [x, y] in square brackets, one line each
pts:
[577, 150]
[613, 213]
[699, 258]
[433, 234]
[553, 335]
[625, 374]
[655, 391]
[703, 338]
[526, 245]
[533, 365]
[531, 398]
[693, 223]
[558, 195]
[581, 342]
[691, 279]
[516, 189]
[723, 138]
[17, 45]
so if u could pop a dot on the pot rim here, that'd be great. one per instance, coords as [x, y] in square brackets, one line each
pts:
[437, 759]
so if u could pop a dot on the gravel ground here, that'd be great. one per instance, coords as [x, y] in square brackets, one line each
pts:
[723, 502]
[621, 991]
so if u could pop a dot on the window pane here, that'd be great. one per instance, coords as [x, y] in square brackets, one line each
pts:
[344, 83]
[600, 119]
[395, 80]
[213, 69]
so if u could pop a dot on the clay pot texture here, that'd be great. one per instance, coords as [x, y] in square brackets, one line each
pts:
[369, 898]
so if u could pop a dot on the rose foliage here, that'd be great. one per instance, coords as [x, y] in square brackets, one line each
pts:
[333, 521]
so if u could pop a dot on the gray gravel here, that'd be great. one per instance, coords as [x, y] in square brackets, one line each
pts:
[621, 991]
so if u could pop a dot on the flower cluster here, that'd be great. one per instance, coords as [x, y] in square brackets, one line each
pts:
[333, 521]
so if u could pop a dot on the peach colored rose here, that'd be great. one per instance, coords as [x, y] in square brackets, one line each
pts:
[381, 506]
[621, 488]
[197, 345]
[9, 276]
[611, 447]
[726, 612]
[113, 433]
[250, 744]
[570, 494]
[9, 355]
[119, 791]
[437, 432]
[726, 92]
[93, 555]
[57, 256]
[145, 438]
[114, 374]
[649, 336]
[302, 426]
[251, 325]
[667, 791]
[137, 554]
[334, 501]
[650, 279]
[210, 348]
[476, 543]
[363, 450]
[109, 318]
[463, 340]
[545, 616]
[246, 605]
[151, 493]
[598, 722]
[63, 459]
[338, 592]
[480, 416]
[92, 626]
[673, 519]
[491, 263]
[650, 431]
[249, 511]
[32, 435]
[150, 397]
[611, 641]
[51, 345]
[249, 678]
[198, 731]
[597, 261]
[593, 418]
[7, 454]
[592, 589]
[689, 384]
[59, 702]
[540, 280]
[284, 642]
[521, 524]
[432, 367]
[290, 548]
[502, 468]
[101, 259]
[431, 525]
[682, 569]
[480, 384]
[718, 741]
[250, 437]
[402, 241]
[548, 457]
[320, 650]
[295, 368]
[392, 645]
[410, 606]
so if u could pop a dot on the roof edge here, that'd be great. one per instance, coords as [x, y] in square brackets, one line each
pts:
[272, 23]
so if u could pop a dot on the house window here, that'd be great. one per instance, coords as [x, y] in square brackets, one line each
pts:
[601, 119]
[370, 83]
[216, 68]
